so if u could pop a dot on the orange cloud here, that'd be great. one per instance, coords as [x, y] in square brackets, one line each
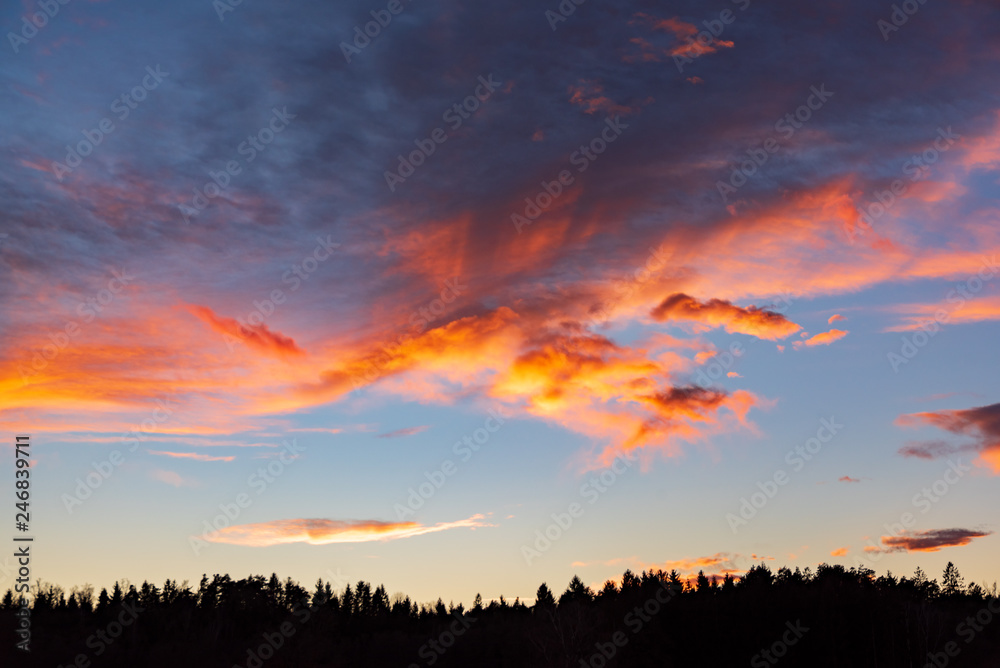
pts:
[688, 42]
[257, 336]
[979, 309]
[840, 551]
[673, 25]
[590, 96]
[928, 541]
[450, 350]
[106, 381]
[325, 532]
[697, 563]
[704, 356]
[822, 339]
[757, 322]
[555, 370]
[835, 318]
[591, 385]
[990, 459]
[721, 563]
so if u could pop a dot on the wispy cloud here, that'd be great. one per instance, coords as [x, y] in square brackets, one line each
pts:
[822, 339]
[192, 455]
[406, 431]
[172, 478]
[257, 336]
[324, 531]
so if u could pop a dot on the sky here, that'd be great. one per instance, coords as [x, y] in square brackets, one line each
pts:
[466, 297]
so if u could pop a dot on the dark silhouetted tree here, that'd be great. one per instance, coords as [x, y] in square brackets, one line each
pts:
[544, 598]
[952, 582]
[576, 592]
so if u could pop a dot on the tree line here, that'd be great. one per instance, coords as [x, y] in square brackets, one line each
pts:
[840, 616]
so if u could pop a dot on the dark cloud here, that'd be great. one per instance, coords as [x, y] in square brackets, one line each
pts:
[982, 424]
[930, 541]
[721, 313]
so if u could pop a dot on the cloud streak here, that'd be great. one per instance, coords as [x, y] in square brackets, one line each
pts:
[257, 336]
[929, 541]
[325, 531]
[822, 339]
[406, 431]
[192, 455]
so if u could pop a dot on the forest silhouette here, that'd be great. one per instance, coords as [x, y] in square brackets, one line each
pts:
[835, 616]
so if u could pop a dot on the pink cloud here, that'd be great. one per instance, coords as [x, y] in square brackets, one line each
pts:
[192, 455]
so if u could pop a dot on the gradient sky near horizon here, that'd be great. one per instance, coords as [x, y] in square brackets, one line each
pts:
[355, 326]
